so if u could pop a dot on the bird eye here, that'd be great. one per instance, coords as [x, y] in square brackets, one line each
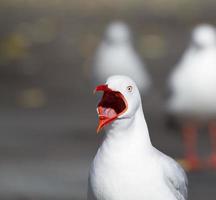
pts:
[129, 88]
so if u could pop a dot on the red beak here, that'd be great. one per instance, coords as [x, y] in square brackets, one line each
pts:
[102, 88]
[110, 107]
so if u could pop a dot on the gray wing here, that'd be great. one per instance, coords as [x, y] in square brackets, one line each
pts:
[175, 176]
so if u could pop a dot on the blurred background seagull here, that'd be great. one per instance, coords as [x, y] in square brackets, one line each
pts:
[116, 55]
[126, 165]
[193, 96]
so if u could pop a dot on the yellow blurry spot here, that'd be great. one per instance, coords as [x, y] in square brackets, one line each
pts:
[31, 98]
[12, 47]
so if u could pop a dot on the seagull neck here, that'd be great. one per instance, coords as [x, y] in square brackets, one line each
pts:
[130, 129]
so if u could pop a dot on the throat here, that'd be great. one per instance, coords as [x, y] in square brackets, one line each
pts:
[128, 133]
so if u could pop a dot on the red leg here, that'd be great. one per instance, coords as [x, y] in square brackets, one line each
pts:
[212, 132]
[189, 132]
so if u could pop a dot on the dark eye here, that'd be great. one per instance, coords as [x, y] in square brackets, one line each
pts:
[129, 88]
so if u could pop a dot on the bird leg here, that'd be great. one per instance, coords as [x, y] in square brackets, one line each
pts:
[189, 132]
[212, 133]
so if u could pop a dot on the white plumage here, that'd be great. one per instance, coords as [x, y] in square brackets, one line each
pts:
[116, 55]
[193, 81]
[127, 166]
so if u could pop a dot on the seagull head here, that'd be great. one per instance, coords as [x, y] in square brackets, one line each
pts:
[204, 36]
[120, 100]
[117, 33]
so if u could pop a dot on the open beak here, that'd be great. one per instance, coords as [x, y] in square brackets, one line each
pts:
[112, 105]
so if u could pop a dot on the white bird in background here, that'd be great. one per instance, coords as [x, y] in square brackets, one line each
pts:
[193, 88]
[127, 166]
[116, 55]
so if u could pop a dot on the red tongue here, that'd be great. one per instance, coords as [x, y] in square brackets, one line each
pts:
[106, 115]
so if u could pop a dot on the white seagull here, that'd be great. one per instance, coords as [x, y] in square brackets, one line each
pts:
[127, 166]
[193, 80]
[116, 55]
[193, 96]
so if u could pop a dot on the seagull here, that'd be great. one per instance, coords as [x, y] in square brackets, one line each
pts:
[126, 165]
[193, 97]
[116, 55]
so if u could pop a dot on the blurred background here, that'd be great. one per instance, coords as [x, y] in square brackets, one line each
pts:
[48, 117]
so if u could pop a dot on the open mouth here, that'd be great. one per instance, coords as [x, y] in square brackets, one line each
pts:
[112, 105]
